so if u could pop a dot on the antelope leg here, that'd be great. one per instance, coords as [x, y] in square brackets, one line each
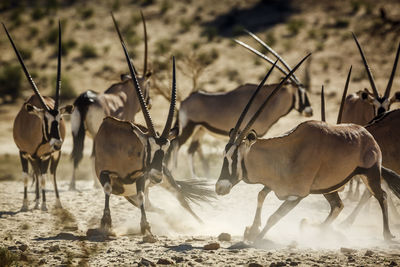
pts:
[44, 165]
[252, 231]
[53, 168]
[336, 207]
[144, 224]
[106, 220]
[25, 175]
[284, 209]
[364, 198]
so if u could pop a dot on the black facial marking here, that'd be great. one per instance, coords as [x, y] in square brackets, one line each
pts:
[364, 95]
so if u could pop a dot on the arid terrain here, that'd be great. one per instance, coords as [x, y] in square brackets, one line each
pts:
[199, 34]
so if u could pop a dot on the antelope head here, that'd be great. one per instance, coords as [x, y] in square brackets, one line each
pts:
[302, 103]
[144, 80]
[155, 145]
[50, 117]
[239, 144]
[380, 102]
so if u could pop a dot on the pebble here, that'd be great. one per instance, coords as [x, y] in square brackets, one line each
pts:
[254, 264]
[393, 263]
[224, 237]
[149, 239]
[369, 253]
[146, 262]
[165, 261]
[212, 246]
[23, 247]
[54, 248]
[178, 259]
[347, 250]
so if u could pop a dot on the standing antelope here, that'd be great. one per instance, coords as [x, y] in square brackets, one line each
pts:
[129, 157]
[313, 158]
[39, 132]
[361, 107]
[199, 110]
[119, 101]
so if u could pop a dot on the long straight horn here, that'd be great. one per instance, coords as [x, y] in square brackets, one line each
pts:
[389, 85]
[139, 93]
[272, 51]
[370, 77]
[322, 104]
[247, 107]
[170, 117]
[145, 44]
[119, 33]
[263, 105]
[339, 119]
[58, 85]
[28, 76]
[251, 49]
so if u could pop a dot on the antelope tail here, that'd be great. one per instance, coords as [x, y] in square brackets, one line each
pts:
[192, 190]
[78, 117]
[392, 179]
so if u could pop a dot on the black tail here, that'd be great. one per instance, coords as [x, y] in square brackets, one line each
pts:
[392, 179]
[192, 190]
[81, 104]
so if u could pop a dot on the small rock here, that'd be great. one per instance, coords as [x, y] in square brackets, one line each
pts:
[23, 257]
[254, 264]
[350, 259]
[149, 239]
[23, 247]
[165, 261]
[393, 263]
[146, 262]
[240, 245]
[54, 248]
[224, 237]
[178, 259]
[212, 246]
[369, 253]
[347, 250]
[278, 264]
[294, 263]
[199, 260]
[42, 261]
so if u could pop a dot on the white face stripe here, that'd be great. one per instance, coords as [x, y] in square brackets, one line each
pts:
[228, 156]
[385, 105]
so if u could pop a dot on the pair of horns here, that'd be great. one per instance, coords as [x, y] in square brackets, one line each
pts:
[293, 78]
[346, 87]
[143, 105]
[29, 77]
[246, 129]
[145, 40]
[368, 69]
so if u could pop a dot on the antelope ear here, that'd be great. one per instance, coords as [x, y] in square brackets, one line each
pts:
[173, 133]
[68, 109]
[31, 109]
[252, 137]
[364, 95]
[395, 97]
[125, 77]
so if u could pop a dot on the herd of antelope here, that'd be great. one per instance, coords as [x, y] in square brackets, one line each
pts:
[315, 157]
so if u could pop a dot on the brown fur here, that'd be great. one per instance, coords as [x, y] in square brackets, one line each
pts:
[357, 110]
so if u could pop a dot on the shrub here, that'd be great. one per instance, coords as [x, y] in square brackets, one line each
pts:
[7, 258]
[270, 38]
[163, 46]
[26, 53]
[294, 26]
[67, 46]
[37, 13]
[237, 30]
[88, 51]
[16, 16]
[52, 36]
[87, 13]
[33, 32]
[116, 5]
[185, 25]
[10, 81]
[210, 33]
[342, 23]
[165, 6]
[67, 91]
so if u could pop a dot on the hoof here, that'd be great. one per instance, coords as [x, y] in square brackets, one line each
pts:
[36, 207]
[24, 208]
[43, 207]
[58, 204]
[251, 233]
[388, 236]
[72, 187]
[106, 223]
[145, 228]
[149, 238]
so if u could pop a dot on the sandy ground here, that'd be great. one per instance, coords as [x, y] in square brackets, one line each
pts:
[59, 237]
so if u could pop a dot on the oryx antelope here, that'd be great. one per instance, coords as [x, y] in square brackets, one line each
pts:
[119, 101]
[198, 111]
[361, 107]
[39, 133]
[128, 158]
[313, 158]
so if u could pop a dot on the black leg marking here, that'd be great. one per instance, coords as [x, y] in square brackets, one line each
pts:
[55, 159]
[144, 224]
[106, 222]
[25, 171]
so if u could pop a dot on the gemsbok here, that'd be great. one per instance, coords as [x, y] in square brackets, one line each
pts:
[129, 158]
[39, 133]
[197, 112]
[119, 101]
[313, 158]
[361, 107]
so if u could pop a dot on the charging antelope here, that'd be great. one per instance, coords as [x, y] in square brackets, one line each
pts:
[128, 158]
[313, 158]
[119, 101]
[39, 133]
[198, 111]
[361, 107]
